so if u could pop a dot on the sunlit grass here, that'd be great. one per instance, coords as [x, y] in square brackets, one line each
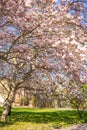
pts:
[41, 119]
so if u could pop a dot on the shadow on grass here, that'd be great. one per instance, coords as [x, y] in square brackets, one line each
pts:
[66, 117]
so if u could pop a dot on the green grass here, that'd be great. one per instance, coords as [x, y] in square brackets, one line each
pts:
[41, 119]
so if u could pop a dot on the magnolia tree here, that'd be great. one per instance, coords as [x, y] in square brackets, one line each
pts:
[40, 37]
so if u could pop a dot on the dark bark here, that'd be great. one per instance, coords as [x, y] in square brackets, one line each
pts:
[79, 113]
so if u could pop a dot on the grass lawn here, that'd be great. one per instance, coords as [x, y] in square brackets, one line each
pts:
[41, 119]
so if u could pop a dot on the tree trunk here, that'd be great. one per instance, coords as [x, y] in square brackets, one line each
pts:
[79, 113]
[7, 105]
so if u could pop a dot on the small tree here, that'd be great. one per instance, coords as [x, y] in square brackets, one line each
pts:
[76, 97]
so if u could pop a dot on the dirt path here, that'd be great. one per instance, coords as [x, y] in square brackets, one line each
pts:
[76, 127]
